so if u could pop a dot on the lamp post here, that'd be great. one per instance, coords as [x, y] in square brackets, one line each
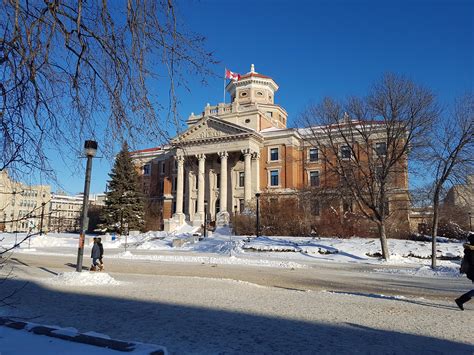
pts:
[42, 216]
[257, 195]
[90, 149]
[205, 218]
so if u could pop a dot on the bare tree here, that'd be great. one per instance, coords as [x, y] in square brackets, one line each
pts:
[449, 156]
[364, 144]
[71, 69]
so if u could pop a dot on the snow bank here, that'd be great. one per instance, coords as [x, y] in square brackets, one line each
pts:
[426, 271]
[232, 260]
[84, 278]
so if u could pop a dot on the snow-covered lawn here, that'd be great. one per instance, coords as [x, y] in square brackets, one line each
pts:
[284, 252]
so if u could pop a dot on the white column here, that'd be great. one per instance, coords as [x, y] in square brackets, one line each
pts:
[199, 216]
[248, 175]
[190, 193]
[223, 215]
[180, 185]
[223, 182]
[256, 171]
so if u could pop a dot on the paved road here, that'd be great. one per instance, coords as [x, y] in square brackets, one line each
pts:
[331, 276]
[229, 309]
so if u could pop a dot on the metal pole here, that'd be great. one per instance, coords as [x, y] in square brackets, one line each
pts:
[85, 204]
[470, 222]
[205, 219]
[42, 216]
[257, 195]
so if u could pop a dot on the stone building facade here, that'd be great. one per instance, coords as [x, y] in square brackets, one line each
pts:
[230, 152]
[21, 205]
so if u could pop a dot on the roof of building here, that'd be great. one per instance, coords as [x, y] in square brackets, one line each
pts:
[146, 150]
[248, 75]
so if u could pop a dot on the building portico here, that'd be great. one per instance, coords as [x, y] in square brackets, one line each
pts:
[212, 169]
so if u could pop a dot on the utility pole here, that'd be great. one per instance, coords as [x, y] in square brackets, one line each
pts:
[205, 219]
[42, 216]
[90, 149]
[257, 195]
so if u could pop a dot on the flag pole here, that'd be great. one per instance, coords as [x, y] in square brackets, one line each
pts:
[225, 71]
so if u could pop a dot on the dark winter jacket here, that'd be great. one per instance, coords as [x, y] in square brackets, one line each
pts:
[101, 248]
[469, 259]
[95, 253]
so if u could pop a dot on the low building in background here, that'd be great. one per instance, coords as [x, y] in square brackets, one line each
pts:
[65, 213]
[22, 206]
[421, 219]
[66, 210]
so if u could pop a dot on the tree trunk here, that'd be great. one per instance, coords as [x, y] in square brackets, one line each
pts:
[434, 229]
[383, 240]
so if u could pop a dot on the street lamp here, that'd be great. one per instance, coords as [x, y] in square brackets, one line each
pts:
[257, 195]
[205, 218]
[90, 149]
[42, 217]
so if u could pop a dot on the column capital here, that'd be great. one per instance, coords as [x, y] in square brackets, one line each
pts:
[255, 155]
[223, 155]
[201, 156]
[179, 159]
[246, 151]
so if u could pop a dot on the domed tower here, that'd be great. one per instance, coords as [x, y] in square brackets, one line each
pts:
[252, 88]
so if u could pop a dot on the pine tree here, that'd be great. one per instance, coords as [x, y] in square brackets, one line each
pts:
[125, 202]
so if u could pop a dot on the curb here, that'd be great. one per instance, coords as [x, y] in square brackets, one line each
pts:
[118, 345]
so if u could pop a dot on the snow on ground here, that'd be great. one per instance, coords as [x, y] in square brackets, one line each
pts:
[211, 260]
[19, 342]
[84, 278]
[223, 248]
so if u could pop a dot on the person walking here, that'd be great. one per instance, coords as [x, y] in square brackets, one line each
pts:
[101, 248]
[95, 255]
[467, 267]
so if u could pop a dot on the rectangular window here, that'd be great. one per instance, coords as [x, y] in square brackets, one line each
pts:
[313, 154]
[274, 178]
[347, 206]
[163, 167]
[315, 208]
[241, 179]
[146, 169]
[241, 205]
[269, 114]
[314, 178]
[346, 152]
[381, 149]
[174, 183]
[218, 180]
[379, 173]
[386, 208]
[274, 154]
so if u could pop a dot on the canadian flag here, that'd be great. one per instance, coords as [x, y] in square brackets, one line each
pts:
[232, 76]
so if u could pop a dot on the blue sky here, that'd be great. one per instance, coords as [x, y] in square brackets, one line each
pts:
[316, 48]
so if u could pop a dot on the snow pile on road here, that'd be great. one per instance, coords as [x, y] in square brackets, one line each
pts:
[84, 278]
[216, 260]
[451, 270]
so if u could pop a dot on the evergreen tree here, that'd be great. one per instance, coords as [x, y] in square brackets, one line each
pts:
[125, 202]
